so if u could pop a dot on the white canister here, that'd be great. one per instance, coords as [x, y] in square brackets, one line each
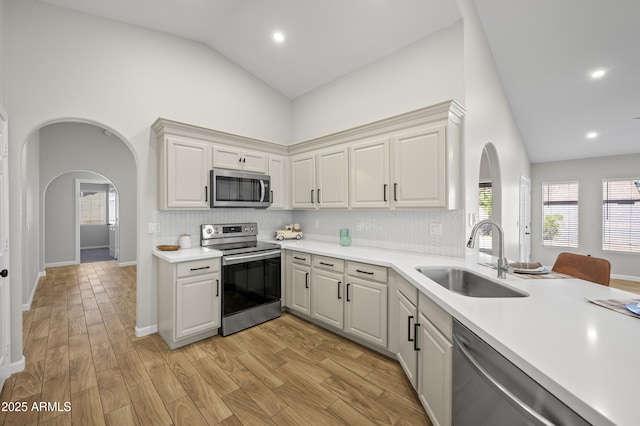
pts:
[185, 241]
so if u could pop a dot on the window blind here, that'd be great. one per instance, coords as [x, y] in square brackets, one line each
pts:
[485, 204]
[621, 215]
[560, 214]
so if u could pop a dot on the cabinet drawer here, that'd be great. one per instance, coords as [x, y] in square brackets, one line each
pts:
[370, 272]
[328, 263]
[197, 267]
[440, 318]
[407, 289]
[301, 258]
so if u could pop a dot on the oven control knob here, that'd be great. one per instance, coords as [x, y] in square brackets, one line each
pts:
[253, 228]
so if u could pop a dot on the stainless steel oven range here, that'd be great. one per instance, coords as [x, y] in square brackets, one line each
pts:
[250, 274]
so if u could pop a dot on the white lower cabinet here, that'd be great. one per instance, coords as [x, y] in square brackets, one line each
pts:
[327, 297]
[189, 301]
[407, 353]
[366, 310]
[298, 291]
[435, 361]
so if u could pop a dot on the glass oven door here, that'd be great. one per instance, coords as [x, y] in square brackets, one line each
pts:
[250, 281]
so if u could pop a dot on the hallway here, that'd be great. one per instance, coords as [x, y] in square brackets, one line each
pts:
[81, 348]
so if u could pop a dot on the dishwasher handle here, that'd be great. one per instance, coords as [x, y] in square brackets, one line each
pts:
[516, 402]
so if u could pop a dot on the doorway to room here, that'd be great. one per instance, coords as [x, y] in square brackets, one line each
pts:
[97, 220]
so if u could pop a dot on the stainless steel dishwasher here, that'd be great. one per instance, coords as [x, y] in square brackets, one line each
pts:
[489, 390]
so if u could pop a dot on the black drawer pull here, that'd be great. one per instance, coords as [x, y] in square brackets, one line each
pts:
[364, 272]
[199, 269]
[326, 264]
[217, 288]
[339, 284]
[415, 337]
[300, 258]
[306, 280]
[348, 300]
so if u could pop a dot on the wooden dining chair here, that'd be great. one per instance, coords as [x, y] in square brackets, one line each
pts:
[584, 267]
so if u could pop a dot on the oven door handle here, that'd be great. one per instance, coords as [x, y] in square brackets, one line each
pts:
[233, 260]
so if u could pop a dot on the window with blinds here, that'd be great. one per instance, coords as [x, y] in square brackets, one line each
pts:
[621, 215]
[485, 209]
[560, 214]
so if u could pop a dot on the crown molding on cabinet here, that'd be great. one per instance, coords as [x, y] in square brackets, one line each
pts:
[164, 126]
[448, 110]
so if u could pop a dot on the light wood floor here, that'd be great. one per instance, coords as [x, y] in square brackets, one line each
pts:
[80, 347]
[632, 286]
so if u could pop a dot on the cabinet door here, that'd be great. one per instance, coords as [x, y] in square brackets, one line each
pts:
[370, 174]
[226, 158]
[303, 181]
[434, 382]
[255, 162]
[407, 354]
[187, 165]
[197, 304]
[419, 168]
[366, 310]
[333, 178]
[300, 289]
[279, 182]
[327, 295]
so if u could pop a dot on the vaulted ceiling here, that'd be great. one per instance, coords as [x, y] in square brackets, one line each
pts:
[545, 51]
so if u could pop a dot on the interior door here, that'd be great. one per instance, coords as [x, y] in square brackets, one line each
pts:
[525, 219]
[114, 223]
[5, 315]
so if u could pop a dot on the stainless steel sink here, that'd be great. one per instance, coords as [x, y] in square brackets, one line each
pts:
[468, 283]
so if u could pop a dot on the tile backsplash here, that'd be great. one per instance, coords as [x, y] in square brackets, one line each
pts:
[428, 231]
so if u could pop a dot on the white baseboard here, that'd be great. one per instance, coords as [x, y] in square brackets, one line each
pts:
[93, 247]
[27, 306]
[145, 331]
[55, 265]
[132, 263]
[625, 277]
[16, 367]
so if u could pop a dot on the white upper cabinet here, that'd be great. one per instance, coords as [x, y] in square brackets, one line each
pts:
[370, 174]
[184, 174]
[320, 180]
[303, 181]
[419, 167]
[279, 172]
[225, 157]
[333, 178]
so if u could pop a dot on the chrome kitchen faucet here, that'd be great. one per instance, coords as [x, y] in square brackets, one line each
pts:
[503, 263]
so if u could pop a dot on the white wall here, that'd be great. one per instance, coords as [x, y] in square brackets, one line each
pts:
[66, 147]
[424, 73]
[489, 118]
[62, 64]
[2, 55]
[589, 173]
[32, 266]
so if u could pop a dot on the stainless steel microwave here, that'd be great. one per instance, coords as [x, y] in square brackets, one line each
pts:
[231, 188]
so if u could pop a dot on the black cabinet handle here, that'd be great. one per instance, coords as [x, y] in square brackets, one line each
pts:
[271, 192]
[326, 264]
[4, 273]
[199, 269]
[415, 336]
[395, 192]
[244, 160]
[364, 272]
[339, 284]
[312, 196]
[348, 300]
[318, 195]
[217, 288]
[306, 280]
[206, 193]
[384, 191]
[409, 318]
[300, 258]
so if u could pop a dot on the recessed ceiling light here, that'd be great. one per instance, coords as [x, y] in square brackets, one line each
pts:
[592, 135]
[598, 74]
[278, 37]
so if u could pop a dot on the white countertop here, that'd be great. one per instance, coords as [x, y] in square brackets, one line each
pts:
[584, 354]
[185, 255]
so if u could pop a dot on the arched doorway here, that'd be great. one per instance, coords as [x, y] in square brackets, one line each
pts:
[489, 196]
[66, 146]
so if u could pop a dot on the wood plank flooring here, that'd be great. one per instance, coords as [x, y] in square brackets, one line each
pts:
[80, 348]
[632, 286]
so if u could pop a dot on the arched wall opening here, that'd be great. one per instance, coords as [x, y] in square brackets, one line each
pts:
[67, 146]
